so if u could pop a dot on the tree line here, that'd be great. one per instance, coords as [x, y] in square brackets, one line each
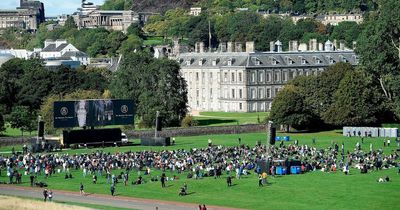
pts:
[245, 26]
[368, 94]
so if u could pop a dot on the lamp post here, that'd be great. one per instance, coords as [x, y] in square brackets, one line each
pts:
[38, 127]
[155, 129]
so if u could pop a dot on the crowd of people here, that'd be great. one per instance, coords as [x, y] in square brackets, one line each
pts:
[211, 161]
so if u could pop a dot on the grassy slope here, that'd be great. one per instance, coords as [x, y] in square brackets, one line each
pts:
[314, 190]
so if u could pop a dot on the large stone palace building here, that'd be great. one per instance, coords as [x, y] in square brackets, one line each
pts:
[233, 80]
[29, 15]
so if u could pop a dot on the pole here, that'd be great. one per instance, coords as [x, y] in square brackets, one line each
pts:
[37, 136]
[209, 36]
[155, 129]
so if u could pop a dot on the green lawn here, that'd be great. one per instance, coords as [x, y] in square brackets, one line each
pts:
[15, 132]
[314, 190]
[230, 118]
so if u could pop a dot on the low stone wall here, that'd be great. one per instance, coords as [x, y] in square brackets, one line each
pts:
[196, 131]
[7, 141]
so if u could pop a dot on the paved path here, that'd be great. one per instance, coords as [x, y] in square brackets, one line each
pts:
[104, 200]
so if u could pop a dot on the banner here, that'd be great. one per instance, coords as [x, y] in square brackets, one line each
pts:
[93, 113]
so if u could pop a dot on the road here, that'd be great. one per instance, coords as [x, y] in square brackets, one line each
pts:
[104, 200]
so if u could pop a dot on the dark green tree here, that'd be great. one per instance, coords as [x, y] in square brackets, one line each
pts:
[2, 124]
[288, 108]
[356, 102]
[10, 74]
[21, 118]
[147, 81]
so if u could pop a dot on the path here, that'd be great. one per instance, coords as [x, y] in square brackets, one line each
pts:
[104, 200]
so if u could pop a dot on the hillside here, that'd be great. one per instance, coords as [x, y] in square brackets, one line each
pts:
[161, 6]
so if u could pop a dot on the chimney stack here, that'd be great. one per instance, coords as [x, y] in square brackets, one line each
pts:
[335, 45]
[341, 44]
[238, 47]
[313, 45]
[230, 47]
[202, 47]
[250, 46]
[320, 47]
[271, 46]
[293, 46]
[278, 46]
[354, 45]
[223, 46]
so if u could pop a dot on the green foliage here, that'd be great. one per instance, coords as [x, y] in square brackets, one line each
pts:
[189, 121]
[347, 31]
[23, 119]
[356, 102]
[131, 44]
[2, 124]
[117, 5]
[379, 48]
[289, 109]
[70, 23]
[147, 81]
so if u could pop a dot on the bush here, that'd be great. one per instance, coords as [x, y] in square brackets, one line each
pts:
[189, 121]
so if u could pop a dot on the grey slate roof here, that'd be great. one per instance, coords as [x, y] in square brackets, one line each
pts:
[74, 54]
[53, 48]
[266, 59]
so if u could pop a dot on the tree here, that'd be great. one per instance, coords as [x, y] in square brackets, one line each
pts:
[2, 124]
[147, 81]
[380, 33]
[131, 44]
[10, 74]
[22, 118]
[356, 102]
[288, 108]
[346, 31]
[70, 23]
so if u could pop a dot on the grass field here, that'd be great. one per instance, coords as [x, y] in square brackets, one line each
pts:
[230, 118]
[15, 132]
[314, 190]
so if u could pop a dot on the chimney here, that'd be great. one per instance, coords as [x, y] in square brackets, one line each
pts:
[222, 46]
[196, 47]
[278, 46]
[320, 47]
[230, 47]
[271, 46]
[238, 47]
[250, 46]
[354, 45]
[293, 46]
[313, 44]
[201, 47]
[177, 47]
[302, 47]
[341, 45]
[335, 45]
[48, 42]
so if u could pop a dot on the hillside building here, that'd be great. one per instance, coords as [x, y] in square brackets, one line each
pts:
[28, 16]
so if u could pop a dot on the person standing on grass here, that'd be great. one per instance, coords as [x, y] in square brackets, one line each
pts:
[112, 189]
[81, 191]
[163, 180]
[50, 195]
[45, 194]
[388, 142]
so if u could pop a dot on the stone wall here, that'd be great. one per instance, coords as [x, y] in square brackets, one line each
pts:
[196, 131]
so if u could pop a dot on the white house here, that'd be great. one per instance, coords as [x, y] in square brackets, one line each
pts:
[61, 50]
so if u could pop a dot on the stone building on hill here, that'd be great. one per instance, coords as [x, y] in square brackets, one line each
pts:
[90, 16]
[237, 80]
[28, 16]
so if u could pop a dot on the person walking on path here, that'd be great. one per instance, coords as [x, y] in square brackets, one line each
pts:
[81, 191]
[45, 194]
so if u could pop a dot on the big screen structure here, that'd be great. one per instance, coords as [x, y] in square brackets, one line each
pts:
[82, 113]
